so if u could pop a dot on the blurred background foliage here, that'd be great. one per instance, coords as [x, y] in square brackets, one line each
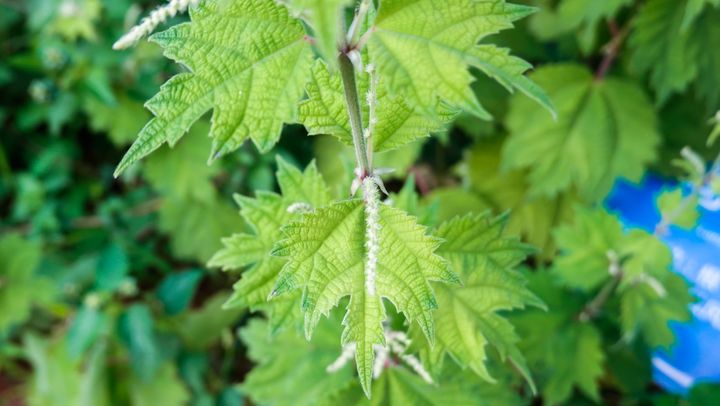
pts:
[105, 296]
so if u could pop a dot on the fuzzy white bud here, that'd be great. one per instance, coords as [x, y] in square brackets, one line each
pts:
[300, 208]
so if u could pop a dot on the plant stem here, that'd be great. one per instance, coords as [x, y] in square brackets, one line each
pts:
[352, 102]
[593, 308]
[612, 49]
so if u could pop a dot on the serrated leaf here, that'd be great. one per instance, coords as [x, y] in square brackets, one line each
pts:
[251, 73]
[606, 129]
[584, 246]
[326, 256]
[297, 376]
[647, 311]
[397, 123]
[477, 249]
[575, 359]
[407, 35]
[650, 294]
[266, 214]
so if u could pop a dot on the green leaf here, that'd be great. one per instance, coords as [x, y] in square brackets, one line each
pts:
[649, 308]
[651, 295]
[533, 217]
[322, 17]
[113, 266]
[576, 359]
[201, 328]
[606, 129]
[181, 172]
[669, 40]
[397, 123]
[121, 122]
[136, 329]
[58, 380]
[20, 287]
[424, 58]
[177, 290]
[584, 247]
[296, 377]
[266, 214]
[326, 252]
[165, 389]
[186, 219]
[86, 327]
[581, 16]
[477, 249]
[251, 72]
[678, 211]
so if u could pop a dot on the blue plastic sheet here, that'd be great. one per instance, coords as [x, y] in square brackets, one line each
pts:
[695, 356]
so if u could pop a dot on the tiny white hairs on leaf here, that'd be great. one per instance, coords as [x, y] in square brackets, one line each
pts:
[149, 23]
[347, 355]
[300, 208]
[372, 232]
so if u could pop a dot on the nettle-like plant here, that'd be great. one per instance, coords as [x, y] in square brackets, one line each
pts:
[377, 78]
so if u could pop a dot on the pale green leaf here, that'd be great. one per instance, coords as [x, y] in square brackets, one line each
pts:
[327, 258]
[424, 58]
[248, 61]
[477, 249]
[266, 214]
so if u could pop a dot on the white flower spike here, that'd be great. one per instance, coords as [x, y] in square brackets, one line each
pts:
[148, 24]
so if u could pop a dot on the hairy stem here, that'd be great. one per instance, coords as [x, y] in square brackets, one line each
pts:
[352, 102]
[593, 308]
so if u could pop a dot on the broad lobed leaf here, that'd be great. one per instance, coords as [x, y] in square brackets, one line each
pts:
[248, 61]
[266, 214]
[326, 254]
[606, 129]
[423, 57]
[477, 249]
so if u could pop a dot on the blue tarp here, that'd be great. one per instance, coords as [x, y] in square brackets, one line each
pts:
[695, 356]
